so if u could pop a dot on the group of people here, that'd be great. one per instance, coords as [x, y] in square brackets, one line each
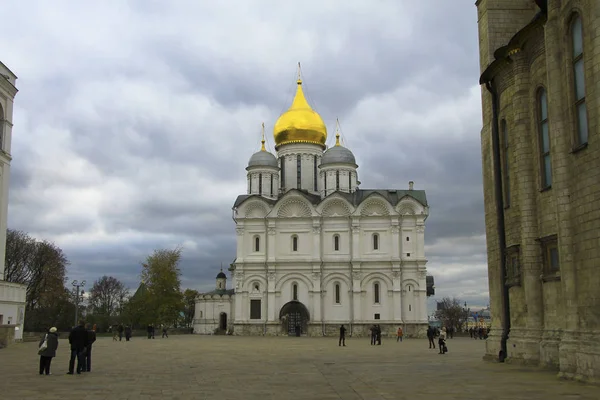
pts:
[81, 339]
[375, 335]
[118, 331]
[479, 333]
[432, 333]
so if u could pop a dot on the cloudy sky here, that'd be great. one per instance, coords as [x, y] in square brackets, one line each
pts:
[135, 119]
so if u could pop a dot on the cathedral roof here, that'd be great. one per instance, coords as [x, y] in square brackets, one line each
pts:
[221, 275]
[263, 158]
[354, 198]
[220, 292]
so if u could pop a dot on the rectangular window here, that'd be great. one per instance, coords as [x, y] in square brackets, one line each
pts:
[299, 171]
[513, 265]
[546, 165]
[376, 293]
[376, 316]
[407, 254]
[295, 243]
[260, 184]
[506, 164]
[336, 243]
[349, 182]
[337, 180]
[250, 180]
[579, 81]
[409, 307]
[325, 183]
[550, 257]
[315, 173]
[255, 309]
[282, 166]
[271, 184]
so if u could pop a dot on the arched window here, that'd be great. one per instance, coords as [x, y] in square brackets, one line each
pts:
[336, 242]
[542, 110]
[295, 292]
[260, 184]
[256, 243]
[579, 80]
[294, 243]
[298, 171]
[200, 314]
[375, 241]
[337, 180]
[250, 184]
[349, 182]
[409, 307]
[271, 185]
[1, 127]
[337, 293]
[376, 293]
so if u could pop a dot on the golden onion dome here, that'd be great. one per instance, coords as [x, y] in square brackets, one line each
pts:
[300, 123]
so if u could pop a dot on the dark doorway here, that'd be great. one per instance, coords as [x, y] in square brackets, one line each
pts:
[223, 321]
[295, 317]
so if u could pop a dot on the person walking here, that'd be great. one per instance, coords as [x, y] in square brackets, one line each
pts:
[400, 333]
[373, 330]
[378, 330]
[120, 329]
[91, 336]
[115, 332]
[164, 332]
[430, 336]
[342, 336]
[47, 350]
[127, 333]
[78, 339]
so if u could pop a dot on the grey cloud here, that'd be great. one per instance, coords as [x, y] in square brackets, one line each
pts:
[163, 118]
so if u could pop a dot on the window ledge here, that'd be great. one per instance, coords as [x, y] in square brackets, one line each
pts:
[551, 277]
[513, 281]
[545, 189]
[579, 147]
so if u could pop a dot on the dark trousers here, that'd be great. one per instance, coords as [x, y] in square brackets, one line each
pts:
[379, 338]
[88, 359]
[399, 339]
[431, 342]
[373, 338]
[45, 365]
[79, 354]
[165, 334]
[342, 340]
[120, 336]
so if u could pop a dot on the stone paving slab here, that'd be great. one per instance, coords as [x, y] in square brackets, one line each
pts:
[233, 367]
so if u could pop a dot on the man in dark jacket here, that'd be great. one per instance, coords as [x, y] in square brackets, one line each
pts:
[430, 336]
[46, 354]
[91, 336]
[78, 338]
[342, 335]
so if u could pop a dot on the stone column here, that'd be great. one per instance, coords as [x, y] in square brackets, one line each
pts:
[419, 247]
[272, 311]
[317, 298]
[316, 247]
[395, 231]
[271, 238]
[397, 295]
[522, 139]
[355, 240]
[560, 126]
[357, 296]
[239, 231]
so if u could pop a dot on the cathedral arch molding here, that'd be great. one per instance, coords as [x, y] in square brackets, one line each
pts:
[249, 284]
[293, 206]
[255, 209]
[374, 206]
[410, 282]
[335, 206]
[376, 276]
[409, 206]
[338, 277]
[294, 277]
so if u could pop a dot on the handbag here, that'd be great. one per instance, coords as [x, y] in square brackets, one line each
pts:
[44, 345]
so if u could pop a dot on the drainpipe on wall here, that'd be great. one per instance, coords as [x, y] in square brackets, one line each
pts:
[500, 216]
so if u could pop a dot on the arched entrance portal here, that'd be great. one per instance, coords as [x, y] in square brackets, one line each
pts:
[223, 321]
[294, 316]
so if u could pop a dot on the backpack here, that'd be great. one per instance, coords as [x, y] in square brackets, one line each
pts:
[44, 345]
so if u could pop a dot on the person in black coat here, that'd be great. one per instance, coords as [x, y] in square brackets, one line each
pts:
[49, 352]
[78, 338]
[91, 335]
[342, 335]
[127, 333]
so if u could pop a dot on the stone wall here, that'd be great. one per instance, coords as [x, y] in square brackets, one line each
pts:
[7, 335]
[554, 315]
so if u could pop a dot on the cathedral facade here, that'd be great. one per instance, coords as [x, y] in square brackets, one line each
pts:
[315, 251]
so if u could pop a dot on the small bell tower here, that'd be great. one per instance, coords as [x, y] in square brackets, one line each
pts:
[221, 280]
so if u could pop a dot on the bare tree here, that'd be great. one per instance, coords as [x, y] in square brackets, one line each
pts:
[451, 313]
[20, 250]
[107, 296]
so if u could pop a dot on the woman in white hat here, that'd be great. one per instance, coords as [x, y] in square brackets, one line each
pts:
[47, 350]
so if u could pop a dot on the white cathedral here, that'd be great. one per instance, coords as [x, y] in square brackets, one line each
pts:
[313, 250]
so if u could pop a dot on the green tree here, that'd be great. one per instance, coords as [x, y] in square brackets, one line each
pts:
[189, 304]
[161, 275]
[107, 298]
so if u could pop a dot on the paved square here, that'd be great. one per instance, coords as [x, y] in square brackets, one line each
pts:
[231, 367]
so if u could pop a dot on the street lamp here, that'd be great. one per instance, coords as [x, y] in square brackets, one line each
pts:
[76, 286]
[467, 312]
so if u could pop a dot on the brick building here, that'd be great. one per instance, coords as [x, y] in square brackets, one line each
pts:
[540, 142]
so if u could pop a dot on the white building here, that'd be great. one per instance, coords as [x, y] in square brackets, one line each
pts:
[12, 295]
[313, 250]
